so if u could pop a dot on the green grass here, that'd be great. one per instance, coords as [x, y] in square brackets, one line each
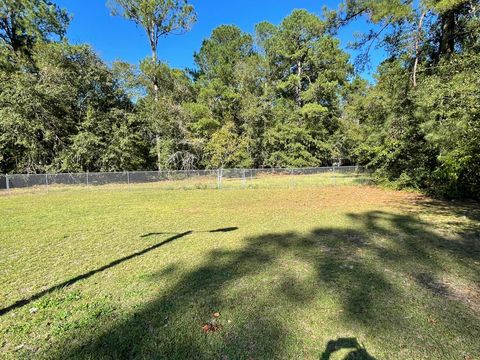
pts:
[262, 180]
[298, 273]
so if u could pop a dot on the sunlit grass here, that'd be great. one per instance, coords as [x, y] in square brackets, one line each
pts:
[264, 180]
[294, 272]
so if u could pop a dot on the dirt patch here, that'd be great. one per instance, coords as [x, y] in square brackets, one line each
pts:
[467, 294]
[337, 197]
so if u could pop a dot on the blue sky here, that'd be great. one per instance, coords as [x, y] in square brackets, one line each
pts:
[115, 38]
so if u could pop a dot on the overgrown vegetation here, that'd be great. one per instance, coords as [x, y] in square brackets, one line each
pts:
[285, 96]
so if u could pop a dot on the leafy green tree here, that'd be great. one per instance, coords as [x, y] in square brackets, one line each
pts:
[449, 106]
[291, 49]
[25, 22]
[394, 144]
[432, 28]
[308, 71]
[158, 18]
[217, 61]
[221, 52]
[415, 134]
[229, 89]
[254, 114]
[168, 124]
[288, 146]
[61, 116]
[226, 149]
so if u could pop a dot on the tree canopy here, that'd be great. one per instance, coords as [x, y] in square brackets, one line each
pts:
[25, 22]
[287, 95]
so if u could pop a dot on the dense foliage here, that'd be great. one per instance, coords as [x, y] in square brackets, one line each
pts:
[285, 96]
[421, 119]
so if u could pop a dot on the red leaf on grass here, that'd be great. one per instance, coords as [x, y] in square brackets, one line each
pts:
[210, 327]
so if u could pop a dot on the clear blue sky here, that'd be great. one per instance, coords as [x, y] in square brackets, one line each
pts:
[115, 38]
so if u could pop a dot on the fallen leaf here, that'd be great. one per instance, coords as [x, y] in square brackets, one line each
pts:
[209, 327]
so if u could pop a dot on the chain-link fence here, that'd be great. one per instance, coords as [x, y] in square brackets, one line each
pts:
[199, 179]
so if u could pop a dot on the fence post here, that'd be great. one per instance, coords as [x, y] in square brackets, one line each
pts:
[87, 177]
[46, 181]
[292, 179]
[7, 181]
[334, 177]
[128, 178]
[244, 179]
[219, 178]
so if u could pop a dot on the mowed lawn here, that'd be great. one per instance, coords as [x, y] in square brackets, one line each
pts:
[329, 272]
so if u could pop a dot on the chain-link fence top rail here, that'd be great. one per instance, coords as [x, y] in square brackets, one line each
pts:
[218, 178]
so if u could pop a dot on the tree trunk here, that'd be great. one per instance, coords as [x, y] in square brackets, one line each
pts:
[155, 80]
[156, 91]
[159, 152]
[447, 42]
[417, 48]
[298, 88]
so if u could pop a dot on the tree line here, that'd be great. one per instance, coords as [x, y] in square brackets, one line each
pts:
[286, 95]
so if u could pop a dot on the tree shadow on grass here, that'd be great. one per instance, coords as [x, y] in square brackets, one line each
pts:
[468, 209]
[220, 230]
[366, 271]
[86, 275]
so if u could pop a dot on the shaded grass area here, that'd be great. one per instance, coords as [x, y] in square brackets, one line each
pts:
[320, 273]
